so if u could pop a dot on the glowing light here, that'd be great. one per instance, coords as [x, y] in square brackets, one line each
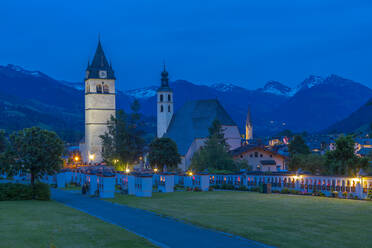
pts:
[76, 158]
[190, 173]
[91, 156]
[127, 170]
[155, 170]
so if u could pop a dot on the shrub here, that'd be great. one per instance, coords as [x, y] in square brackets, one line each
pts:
[293, 192]
[344, 194]
[197, 189]
[335, 194]
[322, 194]
[211, 188]
[255, 189]
[276, 191]
[242, 188]
[15, 191]
[217, 186]
[228, 186]
[284, 191]
[41, 192]
[188, 189]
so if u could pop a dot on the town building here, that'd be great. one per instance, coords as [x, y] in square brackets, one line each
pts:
[99, 105]
[260, 158]
[189, 126]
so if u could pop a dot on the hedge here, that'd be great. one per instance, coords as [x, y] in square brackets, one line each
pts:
[17, 191]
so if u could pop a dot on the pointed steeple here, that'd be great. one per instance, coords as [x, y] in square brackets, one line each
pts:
[164, 80]
[248, 119]
[100, 63]
[248, 126]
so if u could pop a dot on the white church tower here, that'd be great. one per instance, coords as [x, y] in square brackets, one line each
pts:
[164, 105]
[99, 104]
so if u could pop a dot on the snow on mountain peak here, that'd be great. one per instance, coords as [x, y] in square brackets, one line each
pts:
[277, 88]
[22, 70]
[310, 82]
[224, 87]
[141, 93]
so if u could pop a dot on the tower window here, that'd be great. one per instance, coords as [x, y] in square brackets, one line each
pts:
[161, 108]
[256, 154]
[169, 98]
[99, 88]
[161, 97]
[105, 89]
[88, 88]
[169, 108]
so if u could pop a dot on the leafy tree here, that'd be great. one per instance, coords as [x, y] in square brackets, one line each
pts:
[3, 141]
[123, 143]
[298, 146]
[313, 163]
[34, 151]
[163, 151]
[214, 155]
[343, 160]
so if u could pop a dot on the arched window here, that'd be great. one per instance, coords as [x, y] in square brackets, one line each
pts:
[169, 98]
[256, 154]
[87, 89]
[169, 108]
[161, 108]
[105, 89]
[161, 97]
[99, 88]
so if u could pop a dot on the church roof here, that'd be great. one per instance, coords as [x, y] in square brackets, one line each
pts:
[193, 120]
[100, 63]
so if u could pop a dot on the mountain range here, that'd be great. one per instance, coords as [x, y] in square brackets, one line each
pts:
[30, 98]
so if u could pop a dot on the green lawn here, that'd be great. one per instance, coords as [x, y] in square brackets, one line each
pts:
[280, 220]
[50, 224]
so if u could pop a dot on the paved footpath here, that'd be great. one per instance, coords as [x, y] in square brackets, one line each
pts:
[162, 231]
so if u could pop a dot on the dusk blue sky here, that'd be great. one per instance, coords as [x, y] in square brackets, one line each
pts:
[242, 42]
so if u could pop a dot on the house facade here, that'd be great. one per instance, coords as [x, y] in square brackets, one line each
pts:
[260, 158]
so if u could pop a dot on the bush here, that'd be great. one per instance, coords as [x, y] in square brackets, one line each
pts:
[41, 191]
[216, 186]
[334, 194]
[242, 188]
[228, 186]
[15, 191]
[255, 189]
[211, 188]
[197, 189]
[284, 191]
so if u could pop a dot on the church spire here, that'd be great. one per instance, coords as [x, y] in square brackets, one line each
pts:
[248, 126]
[164, 80]
[100, 63]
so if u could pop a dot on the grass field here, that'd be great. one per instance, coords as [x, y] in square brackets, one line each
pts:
[50, 224]
[280, 220]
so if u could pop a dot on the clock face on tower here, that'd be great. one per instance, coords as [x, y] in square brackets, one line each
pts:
[102, 74]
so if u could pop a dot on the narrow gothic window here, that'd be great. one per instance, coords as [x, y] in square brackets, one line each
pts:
[161, 98]
[161, 108]
[99, 88]
[169, 108]
[88, 88]
[169, 98]
[105, 89]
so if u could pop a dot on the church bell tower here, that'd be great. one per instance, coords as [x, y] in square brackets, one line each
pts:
[99, 104]
[164, 105]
